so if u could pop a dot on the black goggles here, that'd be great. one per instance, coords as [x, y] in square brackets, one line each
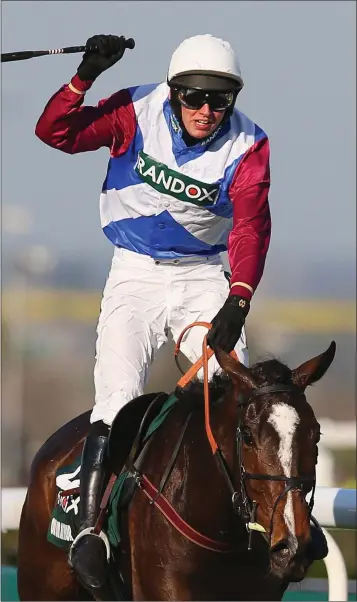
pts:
[195, 99]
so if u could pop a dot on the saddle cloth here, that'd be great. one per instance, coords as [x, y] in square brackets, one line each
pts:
[64, 523]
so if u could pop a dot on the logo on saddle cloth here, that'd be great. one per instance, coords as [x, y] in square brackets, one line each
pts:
[64, 482]
[65, 515]
[168, 181]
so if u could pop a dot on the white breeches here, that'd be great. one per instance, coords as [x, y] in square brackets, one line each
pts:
[142, 300]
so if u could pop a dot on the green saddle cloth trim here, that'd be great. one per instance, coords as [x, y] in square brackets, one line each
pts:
[64, 524]
[165, 410]
[113, 516]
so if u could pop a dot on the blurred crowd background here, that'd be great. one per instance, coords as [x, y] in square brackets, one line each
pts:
[298, 60]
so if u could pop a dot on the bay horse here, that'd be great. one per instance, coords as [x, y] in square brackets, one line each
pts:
[237, 470]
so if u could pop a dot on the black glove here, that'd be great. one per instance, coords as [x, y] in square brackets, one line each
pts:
[110, 50]
[228, 323]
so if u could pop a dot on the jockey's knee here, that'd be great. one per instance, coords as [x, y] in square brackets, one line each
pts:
[106, 408]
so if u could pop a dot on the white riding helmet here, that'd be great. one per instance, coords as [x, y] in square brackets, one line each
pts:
[205, 62]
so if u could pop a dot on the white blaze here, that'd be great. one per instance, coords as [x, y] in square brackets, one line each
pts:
[285, 419]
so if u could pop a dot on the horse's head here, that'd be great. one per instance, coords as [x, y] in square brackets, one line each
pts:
[277, 440]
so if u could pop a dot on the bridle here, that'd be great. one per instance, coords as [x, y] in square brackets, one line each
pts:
[242, 505]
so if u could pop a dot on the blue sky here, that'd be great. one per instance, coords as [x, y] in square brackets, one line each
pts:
[299, 66]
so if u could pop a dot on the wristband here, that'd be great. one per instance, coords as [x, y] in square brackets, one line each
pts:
[242, 284]
[73, 89]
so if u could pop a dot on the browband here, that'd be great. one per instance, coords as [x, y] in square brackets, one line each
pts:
[272, 389]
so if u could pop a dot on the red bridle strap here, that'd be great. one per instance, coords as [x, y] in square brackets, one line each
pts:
[175, 519]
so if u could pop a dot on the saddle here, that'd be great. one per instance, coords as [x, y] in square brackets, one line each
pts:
[129, 428]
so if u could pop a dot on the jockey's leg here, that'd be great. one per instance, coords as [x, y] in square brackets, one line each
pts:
[88, 553]
[131, 328]
[205, 291]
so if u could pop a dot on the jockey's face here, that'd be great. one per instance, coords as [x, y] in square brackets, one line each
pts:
[202, 122]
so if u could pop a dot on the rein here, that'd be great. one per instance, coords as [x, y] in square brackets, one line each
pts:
[207, 353]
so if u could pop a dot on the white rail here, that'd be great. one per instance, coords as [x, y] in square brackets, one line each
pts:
[338, 434]
[336, 571]
[12, 500]
[334, 508]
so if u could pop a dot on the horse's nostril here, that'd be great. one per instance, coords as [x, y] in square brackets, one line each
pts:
[280, 554]
[280, 547]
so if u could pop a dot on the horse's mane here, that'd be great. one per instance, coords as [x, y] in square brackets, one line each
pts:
[265, 372]
[271, 371]
[193, 392]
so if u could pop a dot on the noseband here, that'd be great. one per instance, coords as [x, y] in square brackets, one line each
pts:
[241, 504]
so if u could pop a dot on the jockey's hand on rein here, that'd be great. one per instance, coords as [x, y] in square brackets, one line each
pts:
[102, 52]
[228, 323]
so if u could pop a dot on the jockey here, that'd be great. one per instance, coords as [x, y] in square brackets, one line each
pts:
[188, 178]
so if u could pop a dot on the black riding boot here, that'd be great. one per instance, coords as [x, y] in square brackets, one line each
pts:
[88, 554]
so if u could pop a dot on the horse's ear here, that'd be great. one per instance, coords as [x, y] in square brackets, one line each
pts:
[314, 369]
[236, 370]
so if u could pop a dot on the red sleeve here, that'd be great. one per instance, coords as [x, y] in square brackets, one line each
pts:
[249, 238]
[72, 128]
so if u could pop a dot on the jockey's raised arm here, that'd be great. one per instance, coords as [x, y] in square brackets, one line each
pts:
[67, 125]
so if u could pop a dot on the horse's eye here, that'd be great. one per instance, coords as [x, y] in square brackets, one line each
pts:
[247, 437]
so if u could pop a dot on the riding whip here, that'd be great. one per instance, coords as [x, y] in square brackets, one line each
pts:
[30, 54]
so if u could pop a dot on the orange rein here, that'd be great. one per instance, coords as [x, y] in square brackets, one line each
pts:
[207, 352]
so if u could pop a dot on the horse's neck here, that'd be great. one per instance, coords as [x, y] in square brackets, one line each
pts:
[196, 488]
